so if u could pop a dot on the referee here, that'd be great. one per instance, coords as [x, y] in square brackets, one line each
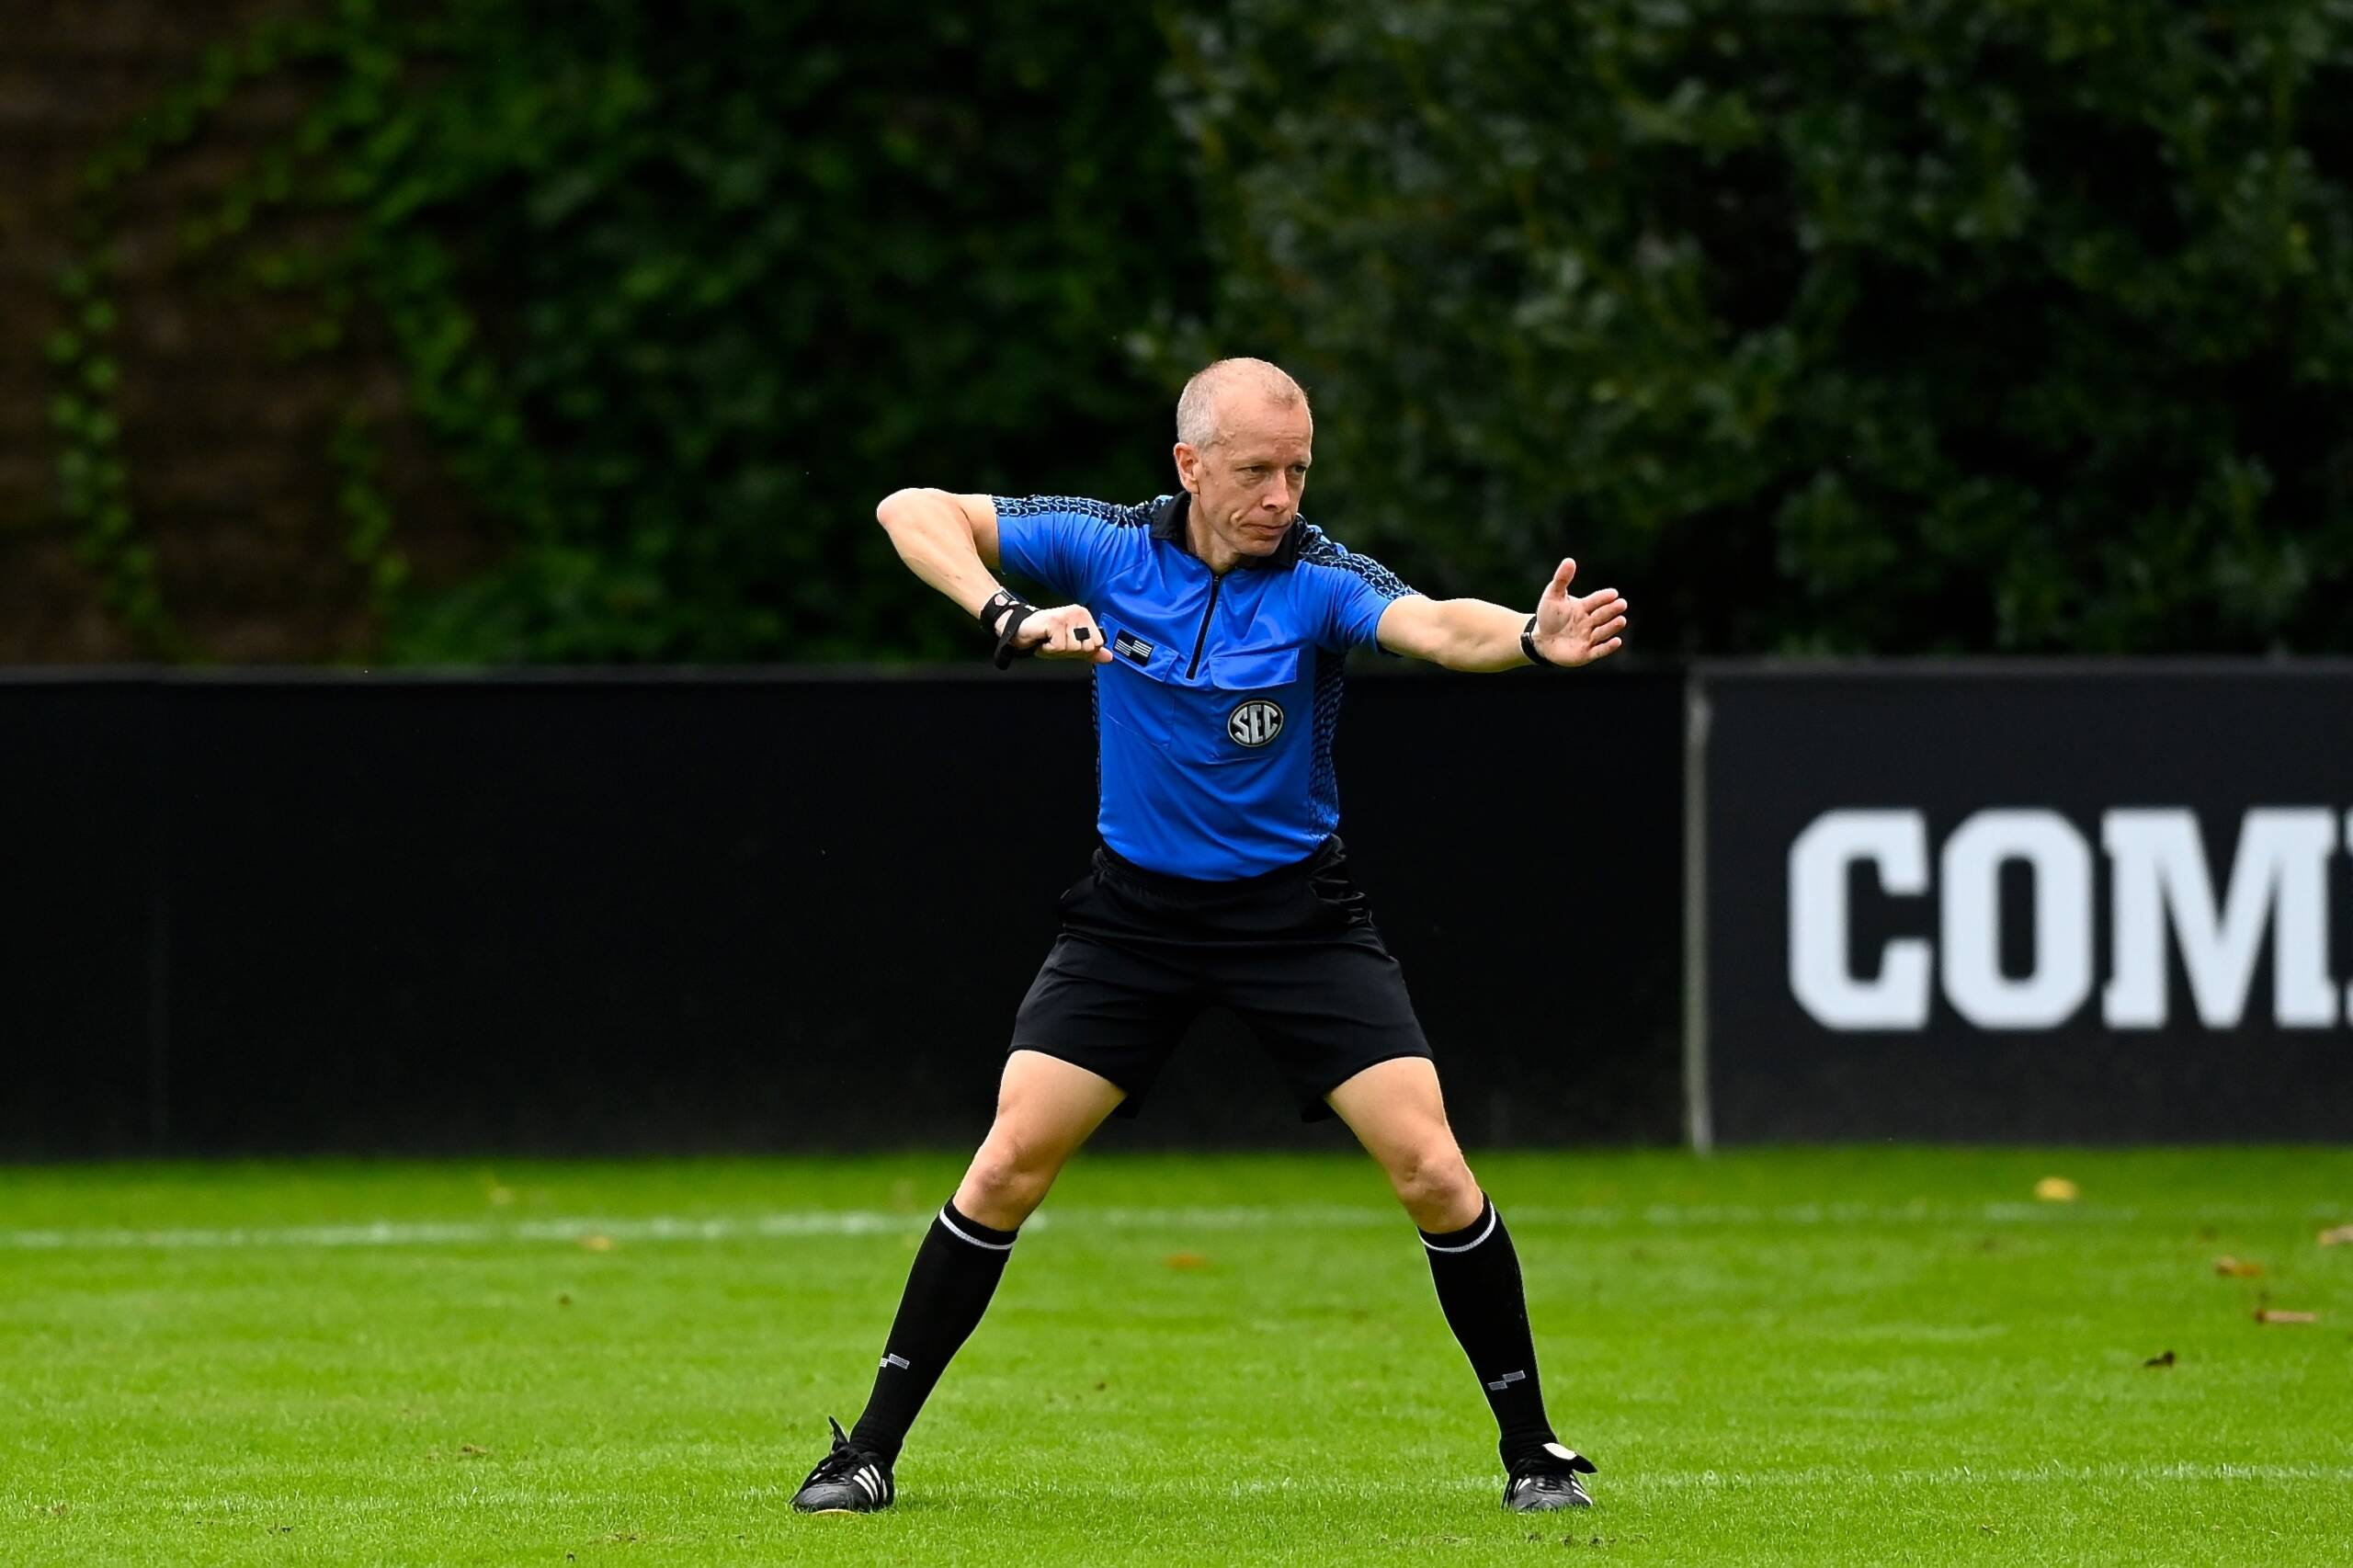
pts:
[1217, 620]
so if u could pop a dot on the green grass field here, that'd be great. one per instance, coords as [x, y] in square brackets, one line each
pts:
[1851, 1357]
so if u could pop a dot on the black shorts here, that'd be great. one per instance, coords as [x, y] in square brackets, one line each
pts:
[1293, 952]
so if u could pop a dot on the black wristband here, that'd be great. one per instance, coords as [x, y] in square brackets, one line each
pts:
[999, 602]
[1528, 646]
[1016, 611]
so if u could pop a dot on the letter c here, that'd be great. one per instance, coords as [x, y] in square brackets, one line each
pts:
[1897, 843]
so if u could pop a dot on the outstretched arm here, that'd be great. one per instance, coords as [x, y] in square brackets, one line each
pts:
[1472, 634]
[950, 541]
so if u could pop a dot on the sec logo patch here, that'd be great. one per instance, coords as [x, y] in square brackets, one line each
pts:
[1254, 723]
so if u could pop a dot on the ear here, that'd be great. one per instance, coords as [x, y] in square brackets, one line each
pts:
[1188, 468]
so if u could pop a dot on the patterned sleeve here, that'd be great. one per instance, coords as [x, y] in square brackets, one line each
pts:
[1060, 542]
[1357, 589]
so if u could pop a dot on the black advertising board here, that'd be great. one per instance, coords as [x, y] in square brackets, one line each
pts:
[768, 910]
[2022, 902]
[84, 946]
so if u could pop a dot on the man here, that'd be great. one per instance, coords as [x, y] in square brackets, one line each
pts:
[1217, 620]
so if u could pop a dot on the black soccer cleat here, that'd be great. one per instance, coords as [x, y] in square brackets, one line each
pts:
[1548, 1480]
[846, 1481]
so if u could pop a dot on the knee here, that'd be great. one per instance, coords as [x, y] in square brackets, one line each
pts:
[1436, 1186]
[1006, 1183]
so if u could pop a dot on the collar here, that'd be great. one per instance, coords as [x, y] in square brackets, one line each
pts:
[1168, 525]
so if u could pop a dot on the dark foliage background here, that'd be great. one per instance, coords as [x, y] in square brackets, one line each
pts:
[681, 291]
[1876, 327]
[1930, 327]
[743, 267]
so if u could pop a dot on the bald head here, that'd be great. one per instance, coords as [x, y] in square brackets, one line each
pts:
[1222, 394]
[1245, 439]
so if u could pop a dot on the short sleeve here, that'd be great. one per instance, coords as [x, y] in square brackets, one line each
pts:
[1060, 543]
[1355, 589]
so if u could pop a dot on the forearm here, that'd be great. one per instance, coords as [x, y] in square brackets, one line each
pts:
[1479, 636]
[934, 536]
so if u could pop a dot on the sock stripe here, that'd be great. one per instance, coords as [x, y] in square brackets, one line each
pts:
[963, 1235]
[1488, 1229]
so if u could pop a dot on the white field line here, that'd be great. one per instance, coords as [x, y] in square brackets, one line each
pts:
[1843, 1478]
[1175, 1222]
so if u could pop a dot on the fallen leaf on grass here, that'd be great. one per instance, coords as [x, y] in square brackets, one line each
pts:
[2341, 1236]
[472, 1451]
[2163, 1358]
[2237, 1268]
[2056, 1190]
[1186, 1260]
[2274, 1314]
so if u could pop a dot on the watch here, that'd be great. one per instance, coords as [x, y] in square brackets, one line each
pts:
[1528, 646]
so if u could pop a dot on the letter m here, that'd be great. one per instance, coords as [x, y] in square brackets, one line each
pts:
[2279, 879]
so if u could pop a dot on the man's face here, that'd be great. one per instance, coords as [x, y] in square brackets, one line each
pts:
[1246, 486]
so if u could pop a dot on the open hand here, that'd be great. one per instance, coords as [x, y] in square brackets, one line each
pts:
[1577, 631]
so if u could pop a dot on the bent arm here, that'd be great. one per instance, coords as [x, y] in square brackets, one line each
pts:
[948, 540]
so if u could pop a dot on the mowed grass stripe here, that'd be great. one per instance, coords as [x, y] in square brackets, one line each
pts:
[1837, 1355]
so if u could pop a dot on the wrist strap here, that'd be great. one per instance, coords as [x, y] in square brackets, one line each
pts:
[999, 602]
[1528, 645]
[1014, 611]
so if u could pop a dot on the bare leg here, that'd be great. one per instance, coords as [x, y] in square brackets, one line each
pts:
[1396, 1112]
[1045, 1108]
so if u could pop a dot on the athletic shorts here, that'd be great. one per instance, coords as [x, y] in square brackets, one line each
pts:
[1292, 951]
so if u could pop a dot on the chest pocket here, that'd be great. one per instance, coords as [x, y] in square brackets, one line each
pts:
[1251, 702]
[1140, 693]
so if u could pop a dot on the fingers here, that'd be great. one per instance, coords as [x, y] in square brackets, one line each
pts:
[1038, 632]
[1604, 614]
[1069, 632]
[1563, 576]
[1598, 620]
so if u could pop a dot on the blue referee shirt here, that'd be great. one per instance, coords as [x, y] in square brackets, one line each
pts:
[1214, 718]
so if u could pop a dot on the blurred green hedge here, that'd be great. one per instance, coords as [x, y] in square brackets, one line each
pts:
[680, 292]
[1895, 326]
[745, 266]
[1892, 325]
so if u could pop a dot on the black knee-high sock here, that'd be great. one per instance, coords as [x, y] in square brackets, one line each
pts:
[955, 1274]
[1477, 1274]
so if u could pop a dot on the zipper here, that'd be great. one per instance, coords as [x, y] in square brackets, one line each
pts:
[1203, 634]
